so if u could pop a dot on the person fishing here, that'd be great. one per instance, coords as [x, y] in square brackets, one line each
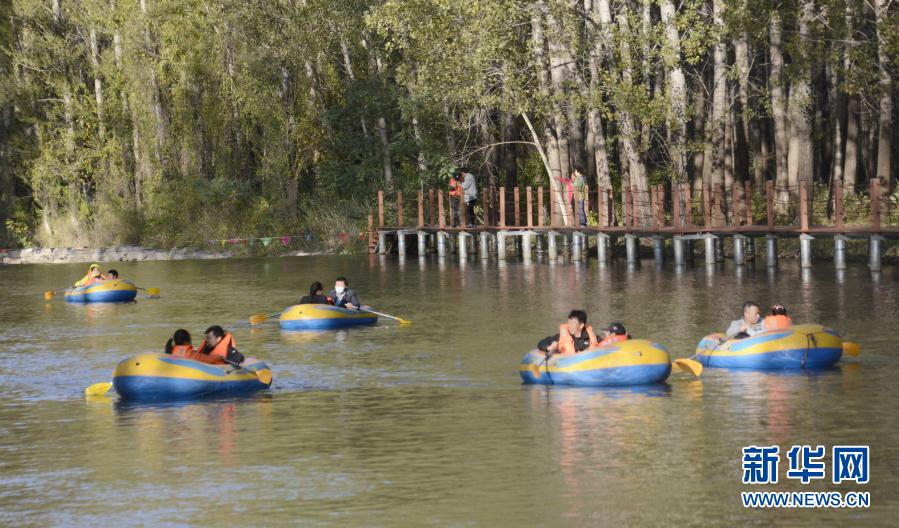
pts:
[316, 295]
[575, 335]
[179, 345]
[94, 275]
[342, 296]
[220, 343]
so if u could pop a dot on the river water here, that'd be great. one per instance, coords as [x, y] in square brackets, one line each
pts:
[429, 424]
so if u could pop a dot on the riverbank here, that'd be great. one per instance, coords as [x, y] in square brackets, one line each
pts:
[119, 254]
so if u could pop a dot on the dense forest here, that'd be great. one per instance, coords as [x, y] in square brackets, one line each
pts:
[176, 121]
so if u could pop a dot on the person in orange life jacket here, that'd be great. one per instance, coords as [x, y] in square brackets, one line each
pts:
[316, 295]
[778, 319]
[179, 345]
[342, 296]
[222, 344]
[455, 197]
[94, 275]
[614, 333]
[574, 336]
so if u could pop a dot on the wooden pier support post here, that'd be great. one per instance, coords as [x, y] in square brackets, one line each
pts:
[739, 255]
[839, 252]
[576, 245]
[678, 245]
[441, 244]
[602, 247]
[462, 248]
[485, 245]
[771, 250]
[422, 243]
[710, 240]
[382, 243]
[401, 243]
[501, 245]
[551, 245]
[380, 208]
[630, 246]
[874, 250]
[526, 247]
[658, 249]
[805, 250]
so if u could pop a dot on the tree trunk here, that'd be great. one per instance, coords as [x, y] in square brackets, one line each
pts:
[779, 111]
[509, 152]
[98, 83]
[744, 130]
[800, 154]
[677, 94]
[719, 100]
[885, 84]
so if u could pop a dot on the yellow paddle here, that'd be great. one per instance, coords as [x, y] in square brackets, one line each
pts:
[403, 322]
[257, 319]
[152, 292]
[265, 376]
[98, 389]
[688, 365]
[48, 295]
[851, 349]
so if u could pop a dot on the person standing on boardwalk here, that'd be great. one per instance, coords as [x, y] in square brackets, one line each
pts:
[470, 191]
[579, 184]
[455, 197]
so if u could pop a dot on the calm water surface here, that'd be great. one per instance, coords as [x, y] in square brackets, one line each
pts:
[429, 425]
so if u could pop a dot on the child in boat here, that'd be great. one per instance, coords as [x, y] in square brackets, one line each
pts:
[316, 295]
[111, 275]
[179, 345]
[778, 319]
[614, 333]
[94, 274]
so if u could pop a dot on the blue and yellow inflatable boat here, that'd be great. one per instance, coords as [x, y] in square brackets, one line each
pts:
[324, 317]
[116, 290]
[805, 346]
[632, 362]
[156, 377]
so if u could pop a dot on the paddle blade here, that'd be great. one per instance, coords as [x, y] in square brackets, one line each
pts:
[265, 376]
[689, 365]
[851, 349]
[153, 292]
[48, 296]
[98, 388]
[404, 322]
[258, 319]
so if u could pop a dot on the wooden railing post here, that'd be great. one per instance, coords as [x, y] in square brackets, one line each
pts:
[587, 204]
[769, 203]
[838, 213]
[400, 221]
[421, 209]
[516, 198]
[463, 212]
[689, 220]
[875, 205]
[502, 207]
[747, 202]
[628, 208]
[735, 214]
[706, 206]
[718, 201]
[675, 204]
[529, 197]
[540, 206]
[610, 202]
[441, 221]
[803, 206]
[431, 207]
[372, 245]
[380, 208]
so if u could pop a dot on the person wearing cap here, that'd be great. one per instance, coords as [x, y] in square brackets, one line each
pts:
[574, 336]
[778, 320]
[94, 274]
[614, 333]
[749, 325]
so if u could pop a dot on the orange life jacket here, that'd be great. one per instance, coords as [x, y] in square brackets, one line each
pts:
[613, 338]
[220, 349]
[455, 188]
[566, 342]
[188, 352]
[777, 322]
